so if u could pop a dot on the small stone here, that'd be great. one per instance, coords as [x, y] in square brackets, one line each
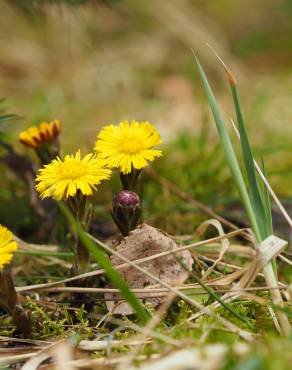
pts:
[143, 242]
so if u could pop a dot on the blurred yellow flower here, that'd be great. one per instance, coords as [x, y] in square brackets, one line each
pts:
[63, 178]
[7, 246]
[128, 145]
[37, 136]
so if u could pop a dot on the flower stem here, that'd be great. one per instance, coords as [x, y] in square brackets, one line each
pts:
[81, 208]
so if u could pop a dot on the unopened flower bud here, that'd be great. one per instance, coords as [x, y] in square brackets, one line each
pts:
[127, 198]
[126, 211]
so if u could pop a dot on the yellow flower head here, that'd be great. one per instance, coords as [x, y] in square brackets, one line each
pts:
[7, 246]
[128, 145]
[62, 179]
[37, 136]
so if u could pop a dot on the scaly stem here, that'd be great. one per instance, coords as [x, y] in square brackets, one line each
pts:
[81, 208]
[9, 303]
[129, 181]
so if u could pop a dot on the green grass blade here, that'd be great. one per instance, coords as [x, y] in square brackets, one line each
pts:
[255, 195]
[265, 196]
[105, 263]
[45, 254]
[268, 211]
[266, 202]
[229, 151]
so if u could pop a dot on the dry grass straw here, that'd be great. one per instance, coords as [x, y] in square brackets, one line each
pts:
[62, 351]
[224, 242]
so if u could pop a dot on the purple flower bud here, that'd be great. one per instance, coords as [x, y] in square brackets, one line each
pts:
[126, 198]
[126, 211]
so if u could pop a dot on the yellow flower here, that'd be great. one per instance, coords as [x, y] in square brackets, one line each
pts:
[128, 145]
[7, 246]
[62, 179]
[37, 136]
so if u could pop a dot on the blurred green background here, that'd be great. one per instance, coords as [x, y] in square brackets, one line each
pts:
[91, 63]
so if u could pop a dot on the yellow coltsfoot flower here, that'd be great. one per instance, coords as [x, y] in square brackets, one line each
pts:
[7, 246]
[63, 178]
[128, 146]
[36, 136]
